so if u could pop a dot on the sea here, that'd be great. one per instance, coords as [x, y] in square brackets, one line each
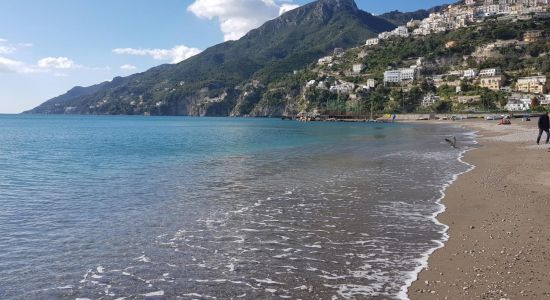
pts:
[133, 207]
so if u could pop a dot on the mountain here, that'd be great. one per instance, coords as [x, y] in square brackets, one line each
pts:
[229, 78]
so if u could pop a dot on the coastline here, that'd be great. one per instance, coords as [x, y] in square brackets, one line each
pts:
[496, 213]
[424, 263]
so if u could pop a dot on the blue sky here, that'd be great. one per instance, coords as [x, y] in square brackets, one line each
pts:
[47, 47]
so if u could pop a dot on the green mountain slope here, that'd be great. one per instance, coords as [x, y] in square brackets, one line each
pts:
[221, 80]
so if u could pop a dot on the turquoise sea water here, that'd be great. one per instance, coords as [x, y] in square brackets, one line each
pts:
[172, 207]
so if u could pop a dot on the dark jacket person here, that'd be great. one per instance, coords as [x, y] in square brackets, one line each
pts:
[544, 125]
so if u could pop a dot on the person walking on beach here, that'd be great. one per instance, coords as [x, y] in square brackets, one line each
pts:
[544, 125]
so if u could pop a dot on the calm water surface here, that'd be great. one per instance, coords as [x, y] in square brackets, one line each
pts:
[208, 208]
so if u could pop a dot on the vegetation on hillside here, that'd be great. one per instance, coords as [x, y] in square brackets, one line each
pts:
[516, 59]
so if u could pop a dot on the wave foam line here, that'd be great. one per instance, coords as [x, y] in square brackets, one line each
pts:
[423, 261]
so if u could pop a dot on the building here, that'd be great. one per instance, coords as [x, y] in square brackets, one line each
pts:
[532, 36]
[429, 100]
[518, 105]
[392, 76]
[470, 73]
[372, 42]
[490, 72]
[400, 75]
[545, 100]
[324, 60]
[384, 35]
[457, 73]
[402, 31]
[408, 74]
[492, 82]
[357, 68]
[533, 85]
[322, 85]
[475, 11]
[371, 83]
[414, 23]
[343, 87]
[338, 52]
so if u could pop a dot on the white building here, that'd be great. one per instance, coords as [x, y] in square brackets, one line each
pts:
[357, 68]
[343, 87]
[545, 100]
[408, 74]
[473, 11]
[400, 75]
[458, 73]
[470, 73]
[490, 72]
[392, 76]
[372, 42]
[371, 83]
[324, 60]
[429, 100]
[414, 23]
[384, 35]
[402, 31]
[338, 52]
[311, 83]
[518, 105]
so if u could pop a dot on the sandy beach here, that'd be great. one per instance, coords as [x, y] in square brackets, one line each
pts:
[499, 218]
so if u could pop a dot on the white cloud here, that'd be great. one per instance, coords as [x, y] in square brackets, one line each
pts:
[128, 67]
[237, 17]
[9, 66]
[175, 55]
[7, 49]
[57, 63]
[287, 7]
[51, 65]
[14, 66]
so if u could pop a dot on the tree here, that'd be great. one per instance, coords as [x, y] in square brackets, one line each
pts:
[535, 103]
[442, 106]
[504, 33]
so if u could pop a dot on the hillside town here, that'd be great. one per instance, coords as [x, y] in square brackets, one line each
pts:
[520, 90]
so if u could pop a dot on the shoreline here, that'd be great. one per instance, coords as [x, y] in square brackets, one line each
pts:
[478, 260]
[424, 263]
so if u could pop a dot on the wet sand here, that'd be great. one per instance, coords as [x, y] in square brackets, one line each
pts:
[499, 218]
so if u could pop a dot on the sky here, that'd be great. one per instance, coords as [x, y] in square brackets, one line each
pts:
[49, 46]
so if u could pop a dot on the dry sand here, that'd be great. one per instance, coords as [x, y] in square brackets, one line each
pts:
[499, 218]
